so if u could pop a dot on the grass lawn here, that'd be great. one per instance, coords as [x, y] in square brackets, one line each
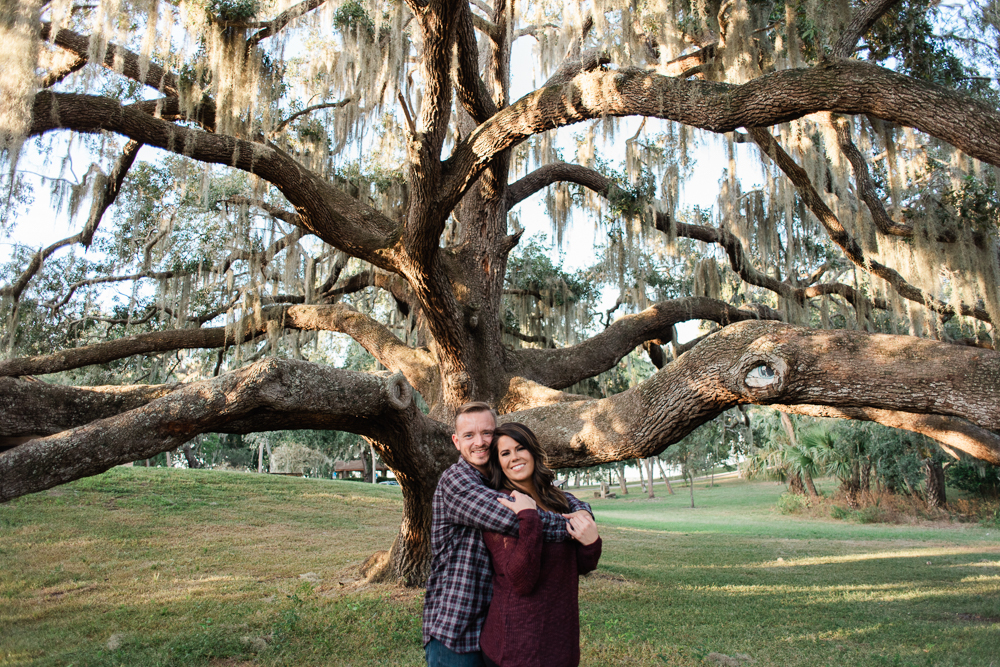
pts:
[187, 567]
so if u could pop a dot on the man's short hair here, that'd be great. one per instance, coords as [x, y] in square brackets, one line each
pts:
[472, 406]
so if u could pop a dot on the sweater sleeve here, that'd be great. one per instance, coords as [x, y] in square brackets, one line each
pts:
[519, 558]
[587, 556]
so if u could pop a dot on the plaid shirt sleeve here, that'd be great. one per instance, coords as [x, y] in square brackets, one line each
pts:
[469, 502]
[575, 504]
[475, 505]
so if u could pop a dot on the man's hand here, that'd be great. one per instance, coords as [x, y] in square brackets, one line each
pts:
[522, 501]
[581, 527]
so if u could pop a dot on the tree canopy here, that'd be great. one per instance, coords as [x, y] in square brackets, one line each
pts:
[260, 173]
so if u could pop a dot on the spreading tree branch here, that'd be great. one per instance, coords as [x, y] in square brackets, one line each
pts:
[275, 25]
[374, 337]
[485, 26]
[860, 24]
[391, 283]
[155, 76]
[563, 367]
[57, 74]
[236, 255]
[30, 407]
[846, 87]
[439, 27]
[298, 114]
[324, 210]
[587, 61]
[469, 87]
[740, 263]
[837, 369]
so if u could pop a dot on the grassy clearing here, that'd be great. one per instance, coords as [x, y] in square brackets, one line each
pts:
[187, 567]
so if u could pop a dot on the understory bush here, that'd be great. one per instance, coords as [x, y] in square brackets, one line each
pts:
[792, 503]
[884, 507]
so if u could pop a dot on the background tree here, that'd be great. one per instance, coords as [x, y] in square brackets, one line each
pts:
[363, 167]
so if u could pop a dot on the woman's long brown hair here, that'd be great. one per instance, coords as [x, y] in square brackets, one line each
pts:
[551, 497]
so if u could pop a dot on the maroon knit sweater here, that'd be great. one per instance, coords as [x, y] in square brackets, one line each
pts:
[534, 617]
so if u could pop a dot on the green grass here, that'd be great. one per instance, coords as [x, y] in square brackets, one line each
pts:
[186, 567]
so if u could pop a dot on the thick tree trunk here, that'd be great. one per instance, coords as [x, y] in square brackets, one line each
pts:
[417, 455]
[408, 561]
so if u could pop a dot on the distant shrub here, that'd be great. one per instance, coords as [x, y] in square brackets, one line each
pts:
[840, 513]
[870, 514]
[975, 477]
[792, 503]
[297, 458]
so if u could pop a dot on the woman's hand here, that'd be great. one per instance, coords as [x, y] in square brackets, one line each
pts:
[522, 501]
[581, 527]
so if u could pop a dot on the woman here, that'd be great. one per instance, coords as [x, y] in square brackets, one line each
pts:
[534, 617]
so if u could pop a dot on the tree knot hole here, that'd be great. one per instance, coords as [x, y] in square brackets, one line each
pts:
[761, 376]
[399, 392]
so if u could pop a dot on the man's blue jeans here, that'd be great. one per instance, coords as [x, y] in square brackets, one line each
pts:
[439, 655]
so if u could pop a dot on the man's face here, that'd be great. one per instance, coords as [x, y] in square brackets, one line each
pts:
[472, 436]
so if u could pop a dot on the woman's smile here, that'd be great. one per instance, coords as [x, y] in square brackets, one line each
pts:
[515, 460]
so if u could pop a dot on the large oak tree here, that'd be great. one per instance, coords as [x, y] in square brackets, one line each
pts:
[300, 159]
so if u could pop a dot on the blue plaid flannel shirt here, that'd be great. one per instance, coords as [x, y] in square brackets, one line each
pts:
[461, 582]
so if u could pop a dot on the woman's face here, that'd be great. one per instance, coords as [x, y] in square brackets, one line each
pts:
[516, 461]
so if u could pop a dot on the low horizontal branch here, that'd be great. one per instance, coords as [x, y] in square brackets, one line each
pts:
[268, 395]
[769, 363]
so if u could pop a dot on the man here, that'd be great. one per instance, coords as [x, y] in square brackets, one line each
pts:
[461, 582]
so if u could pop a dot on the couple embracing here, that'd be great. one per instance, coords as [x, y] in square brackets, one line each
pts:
[508, 548]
